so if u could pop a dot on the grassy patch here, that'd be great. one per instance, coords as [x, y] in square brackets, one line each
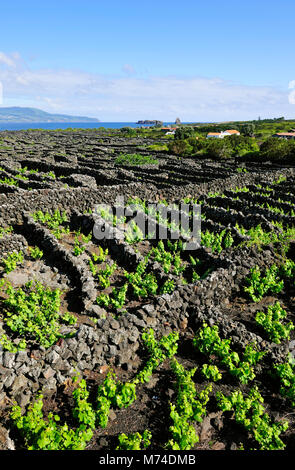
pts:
[135, 159]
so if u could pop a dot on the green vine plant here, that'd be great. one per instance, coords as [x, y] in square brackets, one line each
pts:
[285, 372]
[272, 324]
[133, 234]
[250, 413]
[5, 231]
[135, 441]
[211, 372]
[97, 258]
[105, 274]
[12, 260]
[208, 342]
[35, 252]
[158, 351]
[273, 281]
[217, 241]
[142, 283]
[46, 433]
[117, 394]
[170, 259]
[190, 407]
[56, 222]
[32, 313]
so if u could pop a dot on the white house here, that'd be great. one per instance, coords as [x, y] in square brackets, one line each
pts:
[215, 135]
[221, 135]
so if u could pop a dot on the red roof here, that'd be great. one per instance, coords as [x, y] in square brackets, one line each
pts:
[232, 131]
[286, 133]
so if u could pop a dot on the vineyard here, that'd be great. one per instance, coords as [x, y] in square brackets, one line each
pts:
[132, 341]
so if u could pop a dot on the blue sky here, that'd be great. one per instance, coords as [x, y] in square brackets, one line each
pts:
[123, 61]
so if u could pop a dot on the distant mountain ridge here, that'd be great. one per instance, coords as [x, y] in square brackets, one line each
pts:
[20, 114]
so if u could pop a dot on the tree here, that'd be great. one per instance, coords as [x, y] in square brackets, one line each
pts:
[180, 147]
[248, 129]
[219, 148]
[129, 131]
[275, 148]
[183, 133]
[242, 145]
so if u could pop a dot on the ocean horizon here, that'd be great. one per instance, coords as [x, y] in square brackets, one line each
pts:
[19, 126]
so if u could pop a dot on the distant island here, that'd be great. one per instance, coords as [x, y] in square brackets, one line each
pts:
[154, 122]
[20, 114]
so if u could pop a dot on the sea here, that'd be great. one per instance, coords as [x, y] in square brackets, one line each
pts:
[19, 126]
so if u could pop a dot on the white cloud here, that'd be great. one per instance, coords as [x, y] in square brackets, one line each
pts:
[129, 98]
[9, 61]
[128, 69]
[291, 97]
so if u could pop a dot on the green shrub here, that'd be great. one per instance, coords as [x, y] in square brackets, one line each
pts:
[219, 149]
[135, 159]
[180, 147]
[275, 148]
[183, 133]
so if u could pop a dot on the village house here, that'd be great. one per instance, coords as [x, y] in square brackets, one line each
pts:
[215, 135]
[168, 130]
[221, 135]
[232, 132]
[285, 135]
